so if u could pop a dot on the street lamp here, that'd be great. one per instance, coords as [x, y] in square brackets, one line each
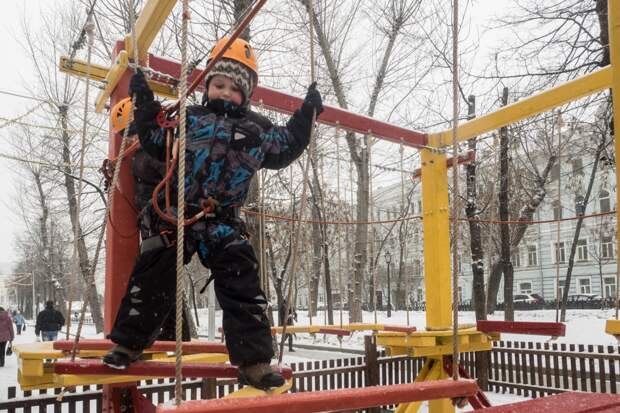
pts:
[388, 260]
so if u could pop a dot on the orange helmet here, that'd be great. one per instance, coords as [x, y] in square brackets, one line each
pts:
[121, 115]
[239, 51]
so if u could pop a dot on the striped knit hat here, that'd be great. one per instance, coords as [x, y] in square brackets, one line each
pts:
[240, 75]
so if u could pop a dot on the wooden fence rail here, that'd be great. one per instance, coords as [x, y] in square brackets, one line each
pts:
[523, 368]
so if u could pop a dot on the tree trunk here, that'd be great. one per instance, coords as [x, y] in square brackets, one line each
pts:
[525, 215]
[504, 229]
[84, 262]
[316, 263]
[477, 252]
[573, 248]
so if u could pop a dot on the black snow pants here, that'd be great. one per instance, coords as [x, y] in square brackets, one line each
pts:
[150, 298]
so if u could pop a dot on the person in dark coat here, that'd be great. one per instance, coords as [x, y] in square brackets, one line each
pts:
[49, 322]
[290, 320]
[227, 144]
[6, 333]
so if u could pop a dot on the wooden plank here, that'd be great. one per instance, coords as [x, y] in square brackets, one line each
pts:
[573, 365]
[331, 400]
[189, 347]
[570, 402]
[612, 372]
[522, 327]
[592, 370]
[601, 371]
[582, 371]
[153, 368]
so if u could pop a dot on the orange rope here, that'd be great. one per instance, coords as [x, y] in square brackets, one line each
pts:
[412, 217]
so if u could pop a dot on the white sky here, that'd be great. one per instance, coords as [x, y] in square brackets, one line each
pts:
[15, 72]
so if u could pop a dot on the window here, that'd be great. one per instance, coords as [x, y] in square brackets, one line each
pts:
[582, 250]
[560, 252]
[609, 284]
[560, 289]
[607, 247]
[584, 285]
[577, 166]
[557, 210]
[603, 200]
[516, 258]
[525, 288]
[580, 205]
[532, 255]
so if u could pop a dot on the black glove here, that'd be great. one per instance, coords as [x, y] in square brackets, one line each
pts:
[139, 86]
[312, 102]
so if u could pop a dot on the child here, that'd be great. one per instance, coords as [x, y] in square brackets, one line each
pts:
[226, 145]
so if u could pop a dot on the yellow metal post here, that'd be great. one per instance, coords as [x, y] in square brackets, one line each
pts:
[436, 239]
[614, 49]
[437, 275]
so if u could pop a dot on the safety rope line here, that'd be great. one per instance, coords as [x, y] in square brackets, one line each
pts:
[89, 31]
[340, 293]
[558, 226]
[9, 122]
[302, 205]
[276, 218]
[455, 191]
[373, 232]
[178, 385]
[401, 245]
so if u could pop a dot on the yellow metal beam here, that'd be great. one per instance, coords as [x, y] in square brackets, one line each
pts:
[113, 77]
[99, 74]
[613, 327]
[249, 391]
[149, 23]
[542, 102]
[437, 276]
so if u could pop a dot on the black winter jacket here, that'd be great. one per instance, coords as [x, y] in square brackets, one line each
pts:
[49, 320]
[225, 147]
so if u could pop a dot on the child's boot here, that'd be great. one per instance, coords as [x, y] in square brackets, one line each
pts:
[261, 376]
[121, 357]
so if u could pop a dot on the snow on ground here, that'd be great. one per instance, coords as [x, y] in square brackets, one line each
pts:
[583, 327]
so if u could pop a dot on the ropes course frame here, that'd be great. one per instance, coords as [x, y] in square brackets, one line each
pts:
[443, 337]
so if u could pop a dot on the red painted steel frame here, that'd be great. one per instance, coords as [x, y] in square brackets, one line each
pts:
[400, 329]
[570, 402]
[335, 331]
[154, 368]
[191, 347]
[285, 103]
[333, 400]
[522, 327]
[121, 230]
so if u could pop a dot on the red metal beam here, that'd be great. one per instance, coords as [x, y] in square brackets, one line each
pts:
[191, 347]
[333, 400]
[400, 329]
[335, 331]
[522, 327]
[468, 157]
[570, 402]
[154, 368]
[285, 103]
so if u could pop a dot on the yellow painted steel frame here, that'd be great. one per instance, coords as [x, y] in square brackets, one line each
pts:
[99, 73]
[613, 327]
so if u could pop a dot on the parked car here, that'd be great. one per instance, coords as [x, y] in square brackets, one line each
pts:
[584, 301]
[527, 299]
